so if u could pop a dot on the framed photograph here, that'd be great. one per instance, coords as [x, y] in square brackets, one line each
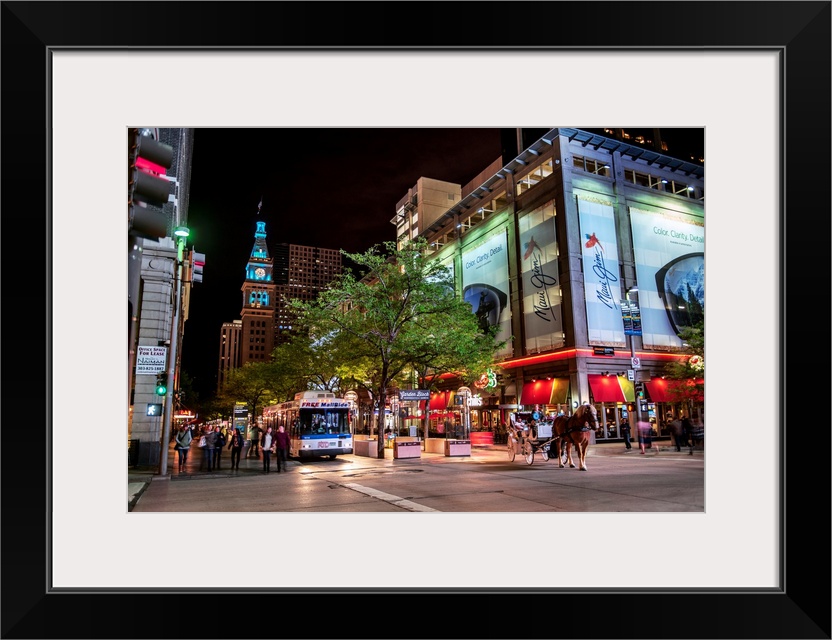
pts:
[756, 75]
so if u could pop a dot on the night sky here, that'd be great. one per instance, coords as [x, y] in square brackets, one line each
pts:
[330, 188]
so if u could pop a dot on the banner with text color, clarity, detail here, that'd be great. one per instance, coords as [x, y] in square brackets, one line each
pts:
[485, 285]
[669, 253]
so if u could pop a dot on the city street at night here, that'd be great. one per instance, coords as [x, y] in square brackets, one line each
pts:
[660, 481]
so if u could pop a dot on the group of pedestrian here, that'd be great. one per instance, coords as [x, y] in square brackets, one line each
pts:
[277, 443]
[685, 434]
[213, 440]
[644, 434]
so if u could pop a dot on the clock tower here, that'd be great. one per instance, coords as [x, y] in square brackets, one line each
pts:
[257, 335]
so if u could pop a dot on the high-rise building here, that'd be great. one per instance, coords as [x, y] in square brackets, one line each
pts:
[152, 284]
[424, 203]
[257, 315]
[586, 251]
[301, 273]
[230, 357]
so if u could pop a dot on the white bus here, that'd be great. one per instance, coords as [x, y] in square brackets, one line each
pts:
[318, 424]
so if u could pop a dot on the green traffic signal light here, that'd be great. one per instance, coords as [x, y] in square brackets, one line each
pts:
[161, 384]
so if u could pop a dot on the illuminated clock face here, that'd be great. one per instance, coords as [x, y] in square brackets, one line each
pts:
[260, 272]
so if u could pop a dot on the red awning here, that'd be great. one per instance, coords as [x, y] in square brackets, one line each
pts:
[661, 390]
[439, 401]
[657, 390]
[539, 392]
[605, 388]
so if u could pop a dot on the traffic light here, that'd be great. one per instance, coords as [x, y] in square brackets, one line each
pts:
[640, 390]
[197, 264]
[148, 160]
[161, 383]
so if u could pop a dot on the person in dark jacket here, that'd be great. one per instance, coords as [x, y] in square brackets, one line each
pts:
[625, 433]
[282, 440]
[687, 428]
[218, 446]
[678, 432]
[236, 445]
[208, 449]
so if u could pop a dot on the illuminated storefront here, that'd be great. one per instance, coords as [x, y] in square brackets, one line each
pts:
[547, 248]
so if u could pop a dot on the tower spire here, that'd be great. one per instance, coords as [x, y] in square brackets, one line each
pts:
[260, 205]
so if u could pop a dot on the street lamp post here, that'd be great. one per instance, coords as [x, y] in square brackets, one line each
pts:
[633, 355]
[181, 234]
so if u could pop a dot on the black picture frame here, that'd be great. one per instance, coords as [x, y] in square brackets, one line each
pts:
[800, 31]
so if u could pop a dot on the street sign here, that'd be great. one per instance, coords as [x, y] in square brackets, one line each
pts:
[154, 410]
[636, 362]
[631, 375]
[151, 360]
[413, 394]
[636, 317]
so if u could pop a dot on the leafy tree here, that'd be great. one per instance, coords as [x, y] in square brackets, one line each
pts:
[451, 343]
[253, 383]
[290, 367]
[690, 369]
[386, 318]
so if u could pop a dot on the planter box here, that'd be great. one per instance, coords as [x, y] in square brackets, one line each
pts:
[435, 445]
[457, 448]
[407, 450]
[366, 448]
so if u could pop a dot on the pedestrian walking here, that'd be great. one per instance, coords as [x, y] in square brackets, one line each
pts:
[266, 442]
[219, 446]
[677, 430]
[282, 441]
[697, 436]
[625, 433]
[183, 445]
[208, 450]
[236, 445]
[645, 435]
[255, 433]
[687, 429]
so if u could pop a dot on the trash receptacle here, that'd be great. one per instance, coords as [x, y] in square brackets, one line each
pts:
[244, 450]
[133, 453]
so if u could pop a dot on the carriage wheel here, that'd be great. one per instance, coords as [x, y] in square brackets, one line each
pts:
[512, 451]
[528, 451]
[544, 454]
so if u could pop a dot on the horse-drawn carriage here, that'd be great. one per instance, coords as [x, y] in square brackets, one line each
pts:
[554, 440]
[532, 440]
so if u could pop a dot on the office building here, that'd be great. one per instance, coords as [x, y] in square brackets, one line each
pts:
[587, 251]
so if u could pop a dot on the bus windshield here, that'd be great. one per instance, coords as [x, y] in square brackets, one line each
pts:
[322, 421]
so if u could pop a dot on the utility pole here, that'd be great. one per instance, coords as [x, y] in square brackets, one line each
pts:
[181, 234]
[632, 337]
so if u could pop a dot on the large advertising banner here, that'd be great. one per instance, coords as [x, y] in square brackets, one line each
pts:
[448, 263]
[541, 281]
[670, 267]
[602, 288]
[485, 285]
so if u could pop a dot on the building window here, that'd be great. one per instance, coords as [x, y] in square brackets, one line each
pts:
[591, 165]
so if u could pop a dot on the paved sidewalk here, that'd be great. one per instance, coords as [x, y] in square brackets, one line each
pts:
[139, 479]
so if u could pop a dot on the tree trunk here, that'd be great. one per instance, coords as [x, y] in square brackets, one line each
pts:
[382, 400]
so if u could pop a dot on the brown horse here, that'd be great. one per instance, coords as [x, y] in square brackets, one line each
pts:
[575, 430]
